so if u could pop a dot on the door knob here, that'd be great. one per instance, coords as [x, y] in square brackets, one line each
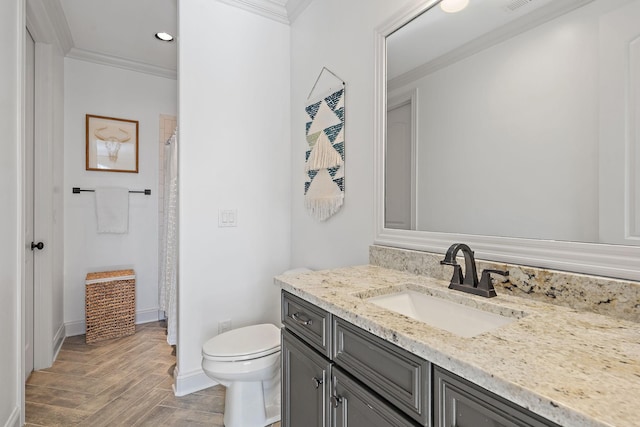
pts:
[38, 245]
[316, 381]
[336, 401]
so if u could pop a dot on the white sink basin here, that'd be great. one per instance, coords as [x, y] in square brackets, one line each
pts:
[456, 318]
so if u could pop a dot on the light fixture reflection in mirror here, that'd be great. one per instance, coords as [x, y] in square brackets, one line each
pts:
[165, 37]
[453, 6]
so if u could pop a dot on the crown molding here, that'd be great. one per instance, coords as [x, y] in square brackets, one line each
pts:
[47, 24]
[295, 8]
[126, 64]
[267, 8]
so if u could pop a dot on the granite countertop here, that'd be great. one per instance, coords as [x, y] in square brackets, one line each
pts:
[572, 367]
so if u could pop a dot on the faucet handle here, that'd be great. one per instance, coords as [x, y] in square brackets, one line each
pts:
[500, 272]
[485, 280]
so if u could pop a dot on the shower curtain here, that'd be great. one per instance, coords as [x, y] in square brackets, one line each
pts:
[169, 245]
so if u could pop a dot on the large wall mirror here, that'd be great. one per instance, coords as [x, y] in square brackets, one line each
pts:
[512, 125]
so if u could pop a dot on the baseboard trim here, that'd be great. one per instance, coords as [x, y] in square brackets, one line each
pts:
[74, 328]
[146, 316]
[14, 418]
[191, 382]
[79, 327]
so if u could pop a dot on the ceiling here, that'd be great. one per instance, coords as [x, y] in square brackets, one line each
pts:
[121, 32]
[434, 38]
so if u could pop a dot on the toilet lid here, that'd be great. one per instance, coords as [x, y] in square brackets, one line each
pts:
[245, 343]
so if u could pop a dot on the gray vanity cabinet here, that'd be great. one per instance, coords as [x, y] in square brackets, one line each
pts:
[306, 379]
[315, 391]
[335, 374]
[460, 403]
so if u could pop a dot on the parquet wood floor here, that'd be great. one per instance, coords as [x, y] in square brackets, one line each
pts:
[120, 382]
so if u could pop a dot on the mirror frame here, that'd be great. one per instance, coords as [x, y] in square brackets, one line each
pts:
[613, 261]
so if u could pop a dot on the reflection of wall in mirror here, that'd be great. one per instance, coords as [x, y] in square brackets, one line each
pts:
[509, 137]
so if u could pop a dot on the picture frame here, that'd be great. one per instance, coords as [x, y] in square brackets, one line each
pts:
[111, 144]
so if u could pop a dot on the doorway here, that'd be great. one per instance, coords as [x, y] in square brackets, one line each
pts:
[400, 157]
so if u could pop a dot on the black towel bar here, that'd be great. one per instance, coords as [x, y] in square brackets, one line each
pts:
[147, 192]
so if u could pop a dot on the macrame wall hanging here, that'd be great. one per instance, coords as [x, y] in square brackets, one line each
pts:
[324, 162]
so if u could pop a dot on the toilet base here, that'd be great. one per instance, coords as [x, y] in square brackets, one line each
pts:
[245, 405]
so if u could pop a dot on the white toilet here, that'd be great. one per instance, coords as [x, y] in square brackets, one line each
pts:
[247, 362]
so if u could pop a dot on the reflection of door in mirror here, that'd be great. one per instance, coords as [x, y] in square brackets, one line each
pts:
[399, 173]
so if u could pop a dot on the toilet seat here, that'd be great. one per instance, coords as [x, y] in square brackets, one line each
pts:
[251, 342]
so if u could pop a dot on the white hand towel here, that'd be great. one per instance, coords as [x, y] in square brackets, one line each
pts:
[112, 210]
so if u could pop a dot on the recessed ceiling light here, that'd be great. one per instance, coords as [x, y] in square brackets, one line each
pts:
[165, 37]
[453, 6]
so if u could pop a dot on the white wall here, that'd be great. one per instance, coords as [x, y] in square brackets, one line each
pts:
[234, 154]
[337, 34]
[107, 91]
[11, 45]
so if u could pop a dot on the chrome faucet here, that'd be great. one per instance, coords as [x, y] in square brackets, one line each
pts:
[469, 281]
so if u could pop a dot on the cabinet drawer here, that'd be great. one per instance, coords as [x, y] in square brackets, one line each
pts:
[395, 374]
[308, 322]
[463, 404]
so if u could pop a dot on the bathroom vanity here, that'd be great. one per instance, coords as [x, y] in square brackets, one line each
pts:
[349, 362]
[337, 374]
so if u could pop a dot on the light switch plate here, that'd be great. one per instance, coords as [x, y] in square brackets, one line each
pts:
[227, 218]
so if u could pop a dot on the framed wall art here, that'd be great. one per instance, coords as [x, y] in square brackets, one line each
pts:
[112, 144]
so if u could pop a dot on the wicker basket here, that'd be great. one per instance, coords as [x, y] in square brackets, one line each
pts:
[110, 303]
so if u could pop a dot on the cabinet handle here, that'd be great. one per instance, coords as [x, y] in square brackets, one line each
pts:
[296, 317]
[316, 381]
[336, 401]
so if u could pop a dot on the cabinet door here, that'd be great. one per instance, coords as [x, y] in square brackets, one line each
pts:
[352, 405]
[305, 384]
[459, 403]
[399, 377]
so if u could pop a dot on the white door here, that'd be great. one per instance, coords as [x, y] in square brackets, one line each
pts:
[29, 197]
[398, 170]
